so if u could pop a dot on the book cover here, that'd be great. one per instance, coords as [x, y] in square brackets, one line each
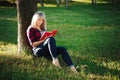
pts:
[48, 34]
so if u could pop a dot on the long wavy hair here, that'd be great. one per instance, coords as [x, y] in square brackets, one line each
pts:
[39, 15]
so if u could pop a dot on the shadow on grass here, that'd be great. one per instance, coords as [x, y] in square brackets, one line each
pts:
[8, 25]
[8, 31]
[89, 67]
[30, 68]
[18, 67]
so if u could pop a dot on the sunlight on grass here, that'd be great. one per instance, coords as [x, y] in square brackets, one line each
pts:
[10, 19]
[47, 5]
[8, 48]
[90, 1]
[111, 64]
[87, 1]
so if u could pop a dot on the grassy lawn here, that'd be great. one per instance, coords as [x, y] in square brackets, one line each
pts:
[91, 34]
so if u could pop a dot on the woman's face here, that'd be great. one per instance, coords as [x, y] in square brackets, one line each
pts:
[39, 22]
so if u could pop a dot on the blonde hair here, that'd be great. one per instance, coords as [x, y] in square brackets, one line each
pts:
[39, 15]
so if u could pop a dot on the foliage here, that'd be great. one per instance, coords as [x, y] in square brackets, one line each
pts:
[91, 35]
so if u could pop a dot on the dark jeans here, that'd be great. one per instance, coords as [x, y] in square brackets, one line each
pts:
[49, 48]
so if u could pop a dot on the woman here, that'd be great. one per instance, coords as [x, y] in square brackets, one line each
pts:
[47, 46]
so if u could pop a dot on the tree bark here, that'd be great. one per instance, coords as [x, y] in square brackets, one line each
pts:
[67, 4]
[41, 2]
[114, 2]
[25, 10]
[57, 2]
[94, 1]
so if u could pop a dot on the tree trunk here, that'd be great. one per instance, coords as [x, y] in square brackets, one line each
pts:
[67, 4]
[94, 1]
[114, 2]
[41, 2]
[25, 10]
[57, 1]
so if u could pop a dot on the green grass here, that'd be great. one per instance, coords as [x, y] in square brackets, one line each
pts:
[90, 33]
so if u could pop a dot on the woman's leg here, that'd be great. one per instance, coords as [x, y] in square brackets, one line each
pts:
[51, 47]
[53, 51]
[66, 58]
[48, 47]
[65, 55]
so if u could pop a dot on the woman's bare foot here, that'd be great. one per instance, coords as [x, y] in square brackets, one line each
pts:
[56, 63]
[73, 69]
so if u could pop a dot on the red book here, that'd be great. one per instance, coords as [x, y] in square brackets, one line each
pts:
[48, 34]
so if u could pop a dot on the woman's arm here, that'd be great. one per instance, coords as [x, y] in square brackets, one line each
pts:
[37, 43]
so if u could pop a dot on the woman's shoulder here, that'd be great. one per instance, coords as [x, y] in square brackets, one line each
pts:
[30, 28]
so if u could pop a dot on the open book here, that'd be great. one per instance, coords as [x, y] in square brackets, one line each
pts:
[47, 34]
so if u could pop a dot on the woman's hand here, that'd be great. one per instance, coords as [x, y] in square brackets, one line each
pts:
[37, 43]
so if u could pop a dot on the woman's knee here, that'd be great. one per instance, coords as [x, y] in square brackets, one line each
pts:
[51, 39]
[61, 50]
